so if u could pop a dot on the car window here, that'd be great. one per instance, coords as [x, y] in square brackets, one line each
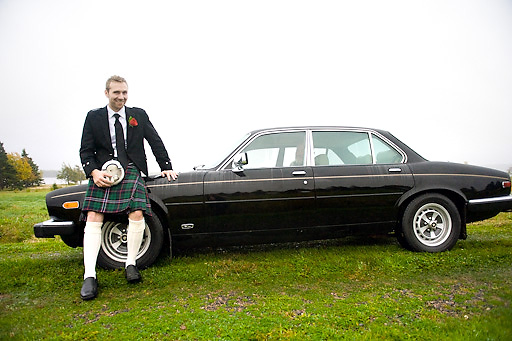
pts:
[333, 148]
[384, 153]
[215, 158]
[276, 150]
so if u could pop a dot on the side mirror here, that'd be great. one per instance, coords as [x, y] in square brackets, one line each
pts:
[239, 161]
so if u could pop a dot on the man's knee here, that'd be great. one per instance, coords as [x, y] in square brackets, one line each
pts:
[94, 217]
[136, 215]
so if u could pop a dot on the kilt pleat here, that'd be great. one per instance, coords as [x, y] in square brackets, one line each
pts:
[127, 196]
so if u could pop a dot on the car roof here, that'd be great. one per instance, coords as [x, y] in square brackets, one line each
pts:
[318, 128]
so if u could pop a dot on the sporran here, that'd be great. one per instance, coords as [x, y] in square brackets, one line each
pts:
[115, 170]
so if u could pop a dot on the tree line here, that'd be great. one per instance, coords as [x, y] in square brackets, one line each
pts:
[20, 171]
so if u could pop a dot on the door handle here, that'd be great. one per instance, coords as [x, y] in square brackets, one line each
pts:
[299, 173]
[395, 170]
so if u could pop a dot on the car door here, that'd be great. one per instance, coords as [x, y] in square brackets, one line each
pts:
[274, 191]
[359, 177]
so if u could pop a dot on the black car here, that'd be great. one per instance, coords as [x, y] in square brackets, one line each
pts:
[295, 184]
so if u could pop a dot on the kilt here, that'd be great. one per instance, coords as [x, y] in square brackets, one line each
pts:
[127, 196]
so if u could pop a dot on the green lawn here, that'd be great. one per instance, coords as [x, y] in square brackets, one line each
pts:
[352, 288]
[19, 211]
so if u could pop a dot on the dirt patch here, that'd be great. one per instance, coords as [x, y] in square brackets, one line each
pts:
[230, 302]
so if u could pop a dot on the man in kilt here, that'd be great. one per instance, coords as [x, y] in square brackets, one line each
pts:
[117, 132]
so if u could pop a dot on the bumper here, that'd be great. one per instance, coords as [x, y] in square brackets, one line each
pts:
[498, 204]
[52, 227]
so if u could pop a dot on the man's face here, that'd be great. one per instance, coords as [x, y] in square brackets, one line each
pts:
[117, 95]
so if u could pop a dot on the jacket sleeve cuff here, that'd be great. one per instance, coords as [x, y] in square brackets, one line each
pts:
[88, 168]
[166, 165]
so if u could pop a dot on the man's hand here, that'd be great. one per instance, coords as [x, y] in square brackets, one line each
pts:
[169, 174]
[101, 179]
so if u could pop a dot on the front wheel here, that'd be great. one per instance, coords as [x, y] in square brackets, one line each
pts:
[114, 251]
[431, 223]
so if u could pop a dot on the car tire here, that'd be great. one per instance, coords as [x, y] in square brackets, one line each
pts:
[73, 240]
[402, 241]
[114, 251]
[431, 223]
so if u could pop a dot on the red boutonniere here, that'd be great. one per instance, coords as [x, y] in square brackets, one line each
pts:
[132, 122]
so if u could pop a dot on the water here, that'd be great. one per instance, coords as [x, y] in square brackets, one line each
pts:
[51, 181]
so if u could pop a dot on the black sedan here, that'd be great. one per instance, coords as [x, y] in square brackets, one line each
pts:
[295, 184]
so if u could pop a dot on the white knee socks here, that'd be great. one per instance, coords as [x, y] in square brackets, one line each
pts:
[92, 244]
[134, 239]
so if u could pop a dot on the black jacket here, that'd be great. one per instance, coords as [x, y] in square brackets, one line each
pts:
[96, 146]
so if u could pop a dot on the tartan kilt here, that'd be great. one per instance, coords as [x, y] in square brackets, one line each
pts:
[127, 196]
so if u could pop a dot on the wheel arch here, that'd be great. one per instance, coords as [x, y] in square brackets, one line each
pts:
[457, 198]
[162, 213]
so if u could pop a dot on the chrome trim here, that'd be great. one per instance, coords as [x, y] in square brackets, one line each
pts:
[458, 174]
[52, 227]
[197, 183]
[283, 179]
[67, 194]
[362, 130]
[400, 151]
[372, 148]
[360, 176]
[310, 159]
[53, 223]
[183, 203]
[309, 142]
[358, 195]
[490, 200]
[257, 200]
[187, 226]
[250, 138]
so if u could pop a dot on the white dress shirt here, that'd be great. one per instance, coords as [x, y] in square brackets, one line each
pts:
[111, 123]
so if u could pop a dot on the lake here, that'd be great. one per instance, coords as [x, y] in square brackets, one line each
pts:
[51, 181]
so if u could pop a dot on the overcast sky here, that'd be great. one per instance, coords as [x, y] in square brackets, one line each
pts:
[437, 74]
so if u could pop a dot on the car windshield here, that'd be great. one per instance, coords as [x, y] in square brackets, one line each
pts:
[214, 159]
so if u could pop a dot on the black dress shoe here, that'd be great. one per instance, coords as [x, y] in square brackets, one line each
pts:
[132, 274]
[89, 289]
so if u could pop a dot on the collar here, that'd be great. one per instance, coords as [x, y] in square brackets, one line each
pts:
[121, 112]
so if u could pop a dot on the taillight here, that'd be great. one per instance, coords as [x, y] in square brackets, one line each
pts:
[506, 184]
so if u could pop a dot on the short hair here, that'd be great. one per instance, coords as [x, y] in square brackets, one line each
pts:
[115, 78]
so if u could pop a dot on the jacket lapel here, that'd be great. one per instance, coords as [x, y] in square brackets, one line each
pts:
[129, 132]
[105, 127]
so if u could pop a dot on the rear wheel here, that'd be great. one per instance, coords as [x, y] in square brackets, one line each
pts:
[431, 223]
[114, 250]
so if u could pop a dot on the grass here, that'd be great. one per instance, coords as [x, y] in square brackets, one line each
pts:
[20, 210]
[352, 288]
